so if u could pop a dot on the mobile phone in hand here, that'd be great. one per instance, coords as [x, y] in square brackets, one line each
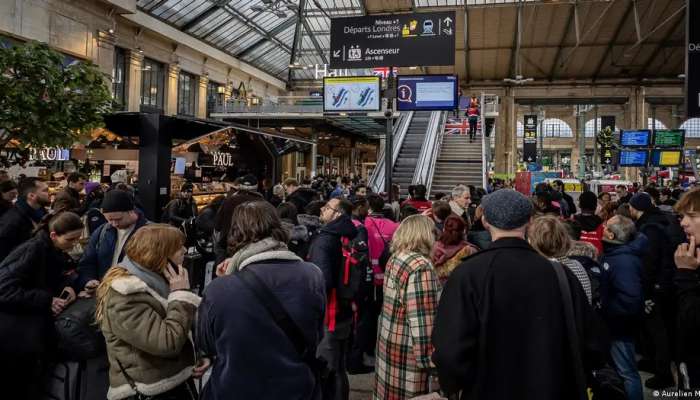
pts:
[64, 295]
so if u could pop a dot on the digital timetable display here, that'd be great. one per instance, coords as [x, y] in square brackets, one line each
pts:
[636, 138]
[633, 158]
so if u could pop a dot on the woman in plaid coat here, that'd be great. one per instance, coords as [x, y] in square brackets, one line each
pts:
[411, 292]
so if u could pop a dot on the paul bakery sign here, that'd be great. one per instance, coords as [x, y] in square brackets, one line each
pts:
[393, 40]
[49, 154]
[222, 159]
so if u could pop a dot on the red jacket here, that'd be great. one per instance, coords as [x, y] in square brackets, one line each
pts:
[420, 205]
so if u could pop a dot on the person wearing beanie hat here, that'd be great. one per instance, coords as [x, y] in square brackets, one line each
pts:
[182, 208]
[106, 245]
[504, 294]
[657, 280]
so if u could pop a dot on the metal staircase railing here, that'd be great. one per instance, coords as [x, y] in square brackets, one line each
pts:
[430, 150]
[489, 109]
[376, 181]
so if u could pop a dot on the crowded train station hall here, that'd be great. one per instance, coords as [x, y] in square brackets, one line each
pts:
[349, 199]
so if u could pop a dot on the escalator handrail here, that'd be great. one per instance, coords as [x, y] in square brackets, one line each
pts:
[436, 151]
[428, 150]
[376, 181]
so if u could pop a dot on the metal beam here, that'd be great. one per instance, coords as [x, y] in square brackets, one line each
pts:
[588, 32]
[200, 17]
[515, 52]
[616, 36]
[315, 42]
[466, 43]
[537, 67]
[256, 27]
[553, 69]
[658, 48]
[278, 29]
[297, 38]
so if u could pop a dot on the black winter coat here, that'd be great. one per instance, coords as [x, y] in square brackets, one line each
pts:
[326, 253]
[688, 284]
[659, 266]
[5, 206]
[30, 277]
[254, 358]
[500, 328]
[16, 227]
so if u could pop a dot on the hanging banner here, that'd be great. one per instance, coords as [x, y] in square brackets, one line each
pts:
[399, 40]
[692, 70]
[606, 152]
[530, 139]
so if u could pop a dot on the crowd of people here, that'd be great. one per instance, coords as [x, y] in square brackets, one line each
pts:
[487, 294]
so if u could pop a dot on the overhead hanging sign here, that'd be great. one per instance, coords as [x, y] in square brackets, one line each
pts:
[669, 138]
[530, 139]
[692, 70]
[402, 40]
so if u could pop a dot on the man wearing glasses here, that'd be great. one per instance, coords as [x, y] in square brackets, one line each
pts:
[327, 253]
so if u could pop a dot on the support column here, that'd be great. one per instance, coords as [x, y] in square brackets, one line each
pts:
[581, 137]
[133, 92]
[506, 145]
[201, 111]
[154, 164]
[171, 89]
[675, 117]
[638, 109]
[314, 153]
[105, 54]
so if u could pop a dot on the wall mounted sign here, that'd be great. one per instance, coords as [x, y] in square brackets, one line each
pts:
[222, 159]
[530, 139]
[49, 154]
[401, 40]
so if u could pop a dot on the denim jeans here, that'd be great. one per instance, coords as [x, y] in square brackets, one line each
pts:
[623, 356]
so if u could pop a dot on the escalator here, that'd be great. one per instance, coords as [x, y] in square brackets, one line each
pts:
[407, 160]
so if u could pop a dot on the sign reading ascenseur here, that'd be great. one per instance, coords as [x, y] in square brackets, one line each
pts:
[402, 40]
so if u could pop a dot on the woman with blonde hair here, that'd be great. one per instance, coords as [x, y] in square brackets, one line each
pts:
[411, 292]
[549, 237]
[146, 311]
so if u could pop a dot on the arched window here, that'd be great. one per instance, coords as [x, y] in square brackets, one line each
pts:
[692, 127]
[657, 124]
[520, 130]
[554, 127]
[590, 128]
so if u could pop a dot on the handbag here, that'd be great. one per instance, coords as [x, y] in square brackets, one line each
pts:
[571, 330]
[169, 395]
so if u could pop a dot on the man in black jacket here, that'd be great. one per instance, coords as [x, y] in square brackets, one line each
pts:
[500, 330]
[17, 224]
[181, 209]
[657, 279]
[69, 198]
[558, 185]
[326, 253]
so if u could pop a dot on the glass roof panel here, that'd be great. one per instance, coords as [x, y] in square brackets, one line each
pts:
[210, 23]
[453, 3]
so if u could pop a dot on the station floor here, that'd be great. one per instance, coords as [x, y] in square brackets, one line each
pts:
[361, 387]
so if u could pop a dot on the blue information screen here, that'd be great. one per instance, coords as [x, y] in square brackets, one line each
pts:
[633, 158]
[640, 138]
[427, 92]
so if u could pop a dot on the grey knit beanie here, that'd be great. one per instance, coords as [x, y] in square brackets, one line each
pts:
[507, 209]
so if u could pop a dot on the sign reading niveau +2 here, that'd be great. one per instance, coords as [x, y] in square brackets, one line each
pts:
[401, 40]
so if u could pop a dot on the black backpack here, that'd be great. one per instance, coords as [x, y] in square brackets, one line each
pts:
[353, 271]
[79, 338]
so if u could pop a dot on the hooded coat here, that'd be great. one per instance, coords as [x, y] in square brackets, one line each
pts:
[622, 296]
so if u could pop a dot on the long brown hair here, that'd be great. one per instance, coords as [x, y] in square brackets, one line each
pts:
[254, 221]
[60, 222]
[150, 247]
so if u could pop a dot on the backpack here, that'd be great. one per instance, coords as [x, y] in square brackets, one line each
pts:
[353, 271]
[79, 338]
